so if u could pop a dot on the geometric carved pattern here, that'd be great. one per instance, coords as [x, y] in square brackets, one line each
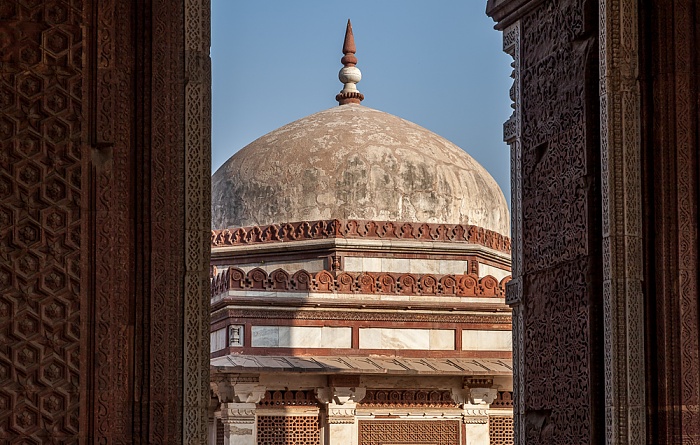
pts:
[501, 430]
[503, 400]
[280, 280]
[42, 169]
[407, 398]
[437, 432]
[275, 399]
[325, 229]
[288, 430]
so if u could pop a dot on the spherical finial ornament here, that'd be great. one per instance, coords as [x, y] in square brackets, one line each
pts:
[349, 75]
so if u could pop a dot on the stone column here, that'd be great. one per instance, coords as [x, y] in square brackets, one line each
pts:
[239, 423]
[341, 423]
[475, 404]
[238, 396]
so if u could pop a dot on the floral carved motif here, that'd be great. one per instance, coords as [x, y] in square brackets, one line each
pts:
[465, 285]
[328, 229]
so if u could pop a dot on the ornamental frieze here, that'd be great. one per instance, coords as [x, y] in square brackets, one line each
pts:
[328, 229]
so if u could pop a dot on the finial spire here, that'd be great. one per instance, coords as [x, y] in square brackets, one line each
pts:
[349, 74]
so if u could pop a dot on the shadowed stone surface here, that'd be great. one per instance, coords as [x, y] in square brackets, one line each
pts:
[353, 162]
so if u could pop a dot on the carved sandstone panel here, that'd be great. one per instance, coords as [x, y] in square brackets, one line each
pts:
[43, 282]
[560, 232]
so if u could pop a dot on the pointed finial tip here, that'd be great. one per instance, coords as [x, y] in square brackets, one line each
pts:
[349, 75]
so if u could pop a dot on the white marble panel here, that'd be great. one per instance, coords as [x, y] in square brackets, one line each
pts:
[300, 337]
[370, 338]
[371, 264]
[379, 338]
[217, 340]
[476, 340]
[311, 265]
[424, 266]
[456, 267]
[442, 340]
[353, 264]
[336, 337]
[265, 336]
[499, 274]
[406, 338]
[396, 265]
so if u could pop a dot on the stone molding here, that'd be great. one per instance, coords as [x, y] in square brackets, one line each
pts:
[325, 229]
[279, 280]
[475, 416]
[236, 413]
[341, 415]
[359, 315]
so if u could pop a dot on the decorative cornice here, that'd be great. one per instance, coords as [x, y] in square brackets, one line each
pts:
[279, 280]
[335, 228]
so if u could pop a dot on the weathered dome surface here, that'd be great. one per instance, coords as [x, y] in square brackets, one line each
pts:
[353, 162]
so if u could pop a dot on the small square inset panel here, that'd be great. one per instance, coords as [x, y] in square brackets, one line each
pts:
[235, 335]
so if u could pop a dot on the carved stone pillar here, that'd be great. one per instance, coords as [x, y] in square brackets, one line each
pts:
[341, 423]
[239, 423]
[238, 396]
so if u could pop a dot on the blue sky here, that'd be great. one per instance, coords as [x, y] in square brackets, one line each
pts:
[436, 63]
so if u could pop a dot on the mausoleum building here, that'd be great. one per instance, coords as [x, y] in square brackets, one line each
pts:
[359, 264]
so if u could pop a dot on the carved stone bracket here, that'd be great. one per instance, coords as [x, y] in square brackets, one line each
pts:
[230, 389]
[341, 402]
[340, 395]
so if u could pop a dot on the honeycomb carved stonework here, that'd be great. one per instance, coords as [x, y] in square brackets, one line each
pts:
[42, 172]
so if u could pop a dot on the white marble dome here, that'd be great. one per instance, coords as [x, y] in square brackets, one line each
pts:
[354, 162]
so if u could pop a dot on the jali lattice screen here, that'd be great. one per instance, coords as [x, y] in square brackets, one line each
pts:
[501, 430]
[288, 430]
[438, 432]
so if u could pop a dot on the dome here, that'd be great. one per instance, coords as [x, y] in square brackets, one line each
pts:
[354, 162]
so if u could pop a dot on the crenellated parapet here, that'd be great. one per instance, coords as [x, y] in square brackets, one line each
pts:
[360, 229]
[279, 280]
